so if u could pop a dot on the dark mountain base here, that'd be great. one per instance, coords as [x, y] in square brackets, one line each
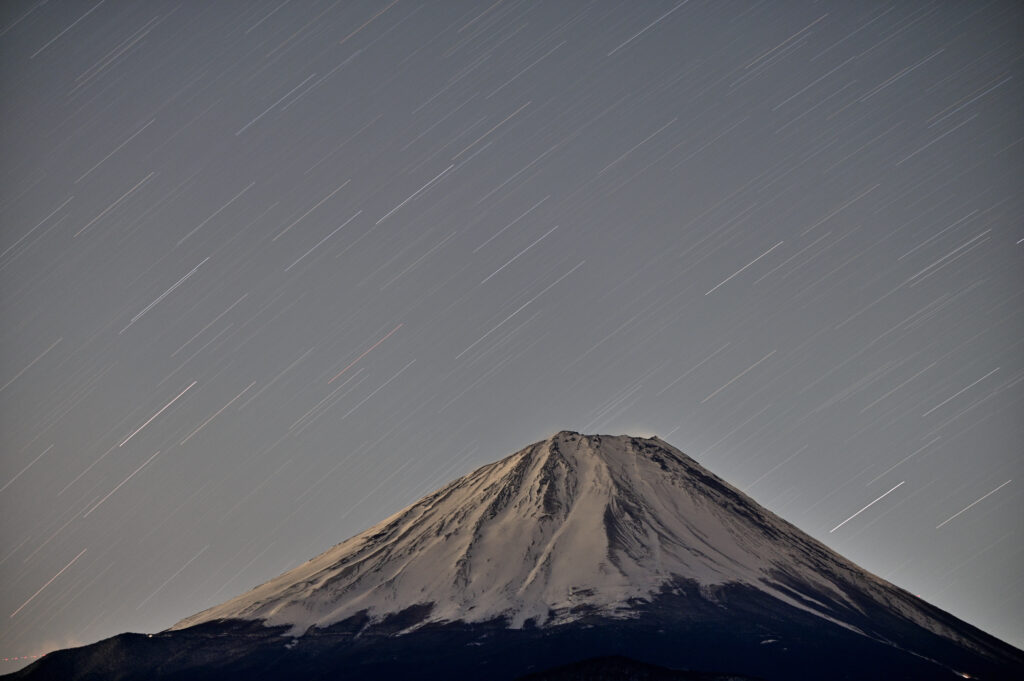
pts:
[617, 668]
[741, 631]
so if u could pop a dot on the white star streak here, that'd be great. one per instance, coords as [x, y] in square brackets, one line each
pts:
[499, 232]
[39, 224]
[189, 437]
[73, 24]
[906, 458]
[647, 27]
[277, 378]
[267, 110]
[747, 265]
[415, 194]
[163, 295]
[319, 404]
[691, 370]
[495, 127]
[534, 63]
[48, 583]
[318, 204]
[636, 146]
[944, 258]
[973, 503]
[9, 482]
[786, 41]
[366, 352]
[322, 240]
[157, 414]
[111, 492]
[859, 196]
[168, 581]
[200, 331]
[864, 509]
[116, 149]
[898, 387]
[960, 391]
[41, 355]
[368, 22]
[514, 257]
[378, 389]
[115, 203]
[738, 377]
[520, 309]
[215, 213]
[87, 469]
[948, 132]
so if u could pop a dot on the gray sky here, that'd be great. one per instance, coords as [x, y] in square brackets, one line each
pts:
[271, 271]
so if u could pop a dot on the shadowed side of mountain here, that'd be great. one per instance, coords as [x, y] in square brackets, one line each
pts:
[737, 630]
[225, 650]
[619, 668]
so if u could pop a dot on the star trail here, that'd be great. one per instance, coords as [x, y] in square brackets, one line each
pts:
[271, 271]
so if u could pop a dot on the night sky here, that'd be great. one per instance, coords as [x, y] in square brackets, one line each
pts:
[271, 271]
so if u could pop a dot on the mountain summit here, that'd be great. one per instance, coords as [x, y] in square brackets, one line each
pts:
[574, 547]
[571, 525]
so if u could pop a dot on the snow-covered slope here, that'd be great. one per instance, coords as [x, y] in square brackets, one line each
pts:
[570, 526]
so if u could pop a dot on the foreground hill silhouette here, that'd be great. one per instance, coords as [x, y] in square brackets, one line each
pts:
[576, 547]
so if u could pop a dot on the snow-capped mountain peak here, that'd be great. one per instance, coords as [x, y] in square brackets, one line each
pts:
[570, 526]
[577, 547]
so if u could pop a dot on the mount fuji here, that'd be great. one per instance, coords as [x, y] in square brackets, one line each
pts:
[615, 552]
